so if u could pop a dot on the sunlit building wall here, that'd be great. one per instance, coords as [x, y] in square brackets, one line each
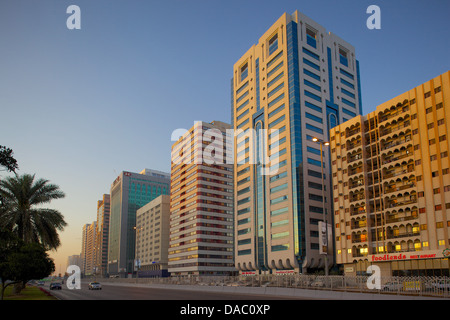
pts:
[391, 184]
[300, 80]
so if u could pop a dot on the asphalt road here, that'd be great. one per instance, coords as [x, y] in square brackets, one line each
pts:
[121, 292]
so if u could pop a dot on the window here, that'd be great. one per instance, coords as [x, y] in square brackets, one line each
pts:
[433, 157]
[279, 188]
[438, 89]
[343, 57]
[439, 225]
[311, 37]
[312, 85]
[432, 141]
[441, 122]
[427, 94]
[244, 71]
[273, 44]
[444, 154]
[436, 191]
[313, 117]
[442, 138]
[429, 110]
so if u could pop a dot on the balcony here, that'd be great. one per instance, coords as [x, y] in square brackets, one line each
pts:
[391, 129]
[396, 173]
[394, 218]
[394, 188]
[395, 157]
[354, 144]
[396, 203]
[390, 144]
[397, 235]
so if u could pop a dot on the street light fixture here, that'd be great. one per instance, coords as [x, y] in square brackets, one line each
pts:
[323, 143]
[137, 261]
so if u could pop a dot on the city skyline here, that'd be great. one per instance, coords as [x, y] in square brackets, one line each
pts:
[82, 85]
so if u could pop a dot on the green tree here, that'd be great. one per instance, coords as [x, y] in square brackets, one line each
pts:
[21, 262]
[7, 160]
[8, 245]
[31, 261]
[22, 214]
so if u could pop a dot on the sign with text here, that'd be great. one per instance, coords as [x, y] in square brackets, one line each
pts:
[402, 256]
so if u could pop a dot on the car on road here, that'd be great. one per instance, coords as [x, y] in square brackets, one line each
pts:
[95, 286]
[41, 283]
[55, 286]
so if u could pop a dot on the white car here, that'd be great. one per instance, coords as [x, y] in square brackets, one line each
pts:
[95, 286]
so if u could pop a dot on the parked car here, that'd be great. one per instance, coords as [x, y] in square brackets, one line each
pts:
[55, 286]
[392, 286]
[95, 286]
[441, 284]
[41, 283]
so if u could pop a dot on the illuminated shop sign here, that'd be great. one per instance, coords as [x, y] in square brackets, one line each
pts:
[432, 254]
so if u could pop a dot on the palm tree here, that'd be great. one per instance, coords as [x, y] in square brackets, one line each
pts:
[21, 213]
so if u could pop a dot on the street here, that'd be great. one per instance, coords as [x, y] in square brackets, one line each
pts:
[113, 291]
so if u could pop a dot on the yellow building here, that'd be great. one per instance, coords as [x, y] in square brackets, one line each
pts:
[391, 184]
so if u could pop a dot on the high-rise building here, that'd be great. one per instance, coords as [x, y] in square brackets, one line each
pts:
[299, 81]
[88, 243]
[391, 178]
[201, 202]
[103, 211]
[75, 260]
[129, 192]
[152, 237]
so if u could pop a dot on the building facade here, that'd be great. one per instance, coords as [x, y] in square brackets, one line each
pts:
[295, 84]
[129, 192]
[75, 260]
[391, 178]
[102, 232]
[152, 237]
[88, 244]
[201, 203]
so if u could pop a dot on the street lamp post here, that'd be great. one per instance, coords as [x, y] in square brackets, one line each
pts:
[136, 263]
[323, 143]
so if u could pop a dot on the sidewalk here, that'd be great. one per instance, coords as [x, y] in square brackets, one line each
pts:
[288, 292]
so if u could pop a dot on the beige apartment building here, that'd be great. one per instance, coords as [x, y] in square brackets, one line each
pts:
[391, 184]
[201, 203]
[152, 237]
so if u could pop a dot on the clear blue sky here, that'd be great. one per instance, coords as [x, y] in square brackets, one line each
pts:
[79, 106]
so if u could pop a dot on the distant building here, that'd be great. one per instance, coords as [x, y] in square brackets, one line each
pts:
[101, 250]
[391, 184]
[74, 260]
[129, 192]
[88, 257]
[152, 237]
